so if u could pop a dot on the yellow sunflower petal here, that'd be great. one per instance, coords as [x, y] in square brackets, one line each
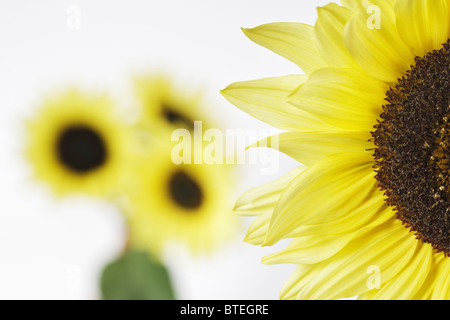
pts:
[388, 248]
[260, 201]
[379, 51]
[310, 147]
[343, 179]
[263, 198]
[266, 100]
[347, 98]
[423, 25]
[301, 276]
[351, 4]
[371, 213]
[442, 285]
[292, 40]
[329, 32]
[257, 230]
[309, 249]
[409, 280]
[430, 282]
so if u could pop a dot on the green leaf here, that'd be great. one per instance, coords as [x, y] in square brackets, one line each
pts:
[136, 276]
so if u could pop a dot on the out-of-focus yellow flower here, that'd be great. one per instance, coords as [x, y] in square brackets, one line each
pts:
[78, 144]
[189, 204]
[163, 104]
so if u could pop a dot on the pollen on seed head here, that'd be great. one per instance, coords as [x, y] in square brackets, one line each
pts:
[412, 154]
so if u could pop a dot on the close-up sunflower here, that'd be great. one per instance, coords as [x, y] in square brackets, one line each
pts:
[77, 143]
[188, 205]
[368, 121]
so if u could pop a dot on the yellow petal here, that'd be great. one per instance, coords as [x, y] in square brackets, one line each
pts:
[373, 212]
[344, 180]
[388, 248]
[309, 249]
[293, 41]
[301, 276]
[346, 98]
[257, 230]
[442, 285]
[261, 199]
[329, 32]
[409, 280]
[423, 25]
[266, 100]
[324, 240]
[428, 286]
[310, 147]
[373, 41]
[351, 4]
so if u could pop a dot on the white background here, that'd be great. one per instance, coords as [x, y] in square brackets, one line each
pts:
[55, 249]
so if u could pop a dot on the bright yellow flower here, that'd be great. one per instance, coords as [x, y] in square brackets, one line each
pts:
[78, 144]
[188, 204]
[163, 104]
[368, 209]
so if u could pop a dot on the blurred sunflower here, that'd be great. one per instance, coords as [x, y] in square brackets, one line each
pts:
[164, 105]
[188, 204]
[369, 121]
[78, 144]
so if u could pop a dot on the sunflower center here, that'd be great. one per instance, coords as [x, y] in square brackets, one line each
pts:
[176, 118]
[81, 149]
[185, 191]
[412, 151]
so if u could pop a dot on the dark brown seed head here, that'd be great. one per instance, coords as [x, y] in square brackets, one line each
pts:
[185, 191]
[81, 149]
[412, 152]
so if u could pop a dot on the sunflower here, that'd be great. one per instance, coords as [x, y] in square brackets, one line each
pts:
[77, 144]
[184, 204]
[163, 104]
[368, 121]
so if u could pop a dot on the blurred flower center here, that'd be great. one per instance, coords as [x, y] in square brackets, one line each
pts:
[412, 148]
[185, 191]
[177, 118]
[81, 149]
